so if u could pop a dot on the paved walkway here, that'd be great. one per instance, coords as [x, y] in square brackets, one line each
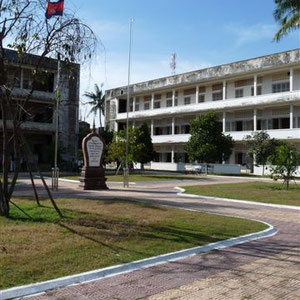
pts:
[263, 269]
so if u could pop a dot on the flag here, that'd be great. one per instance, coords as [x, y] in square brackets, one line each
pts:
[55, 9]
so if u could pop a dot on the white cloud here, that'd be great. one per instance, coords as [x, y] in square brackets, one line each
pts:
[250, 34]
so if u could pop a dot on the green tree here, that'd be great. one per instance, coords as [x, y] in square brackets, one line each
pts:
[144, 151]
[287, 14]
[117, 149]
[97, 101]
[284, 162]
[260, 147]
[108, 137]
[140, 147]
[207, 143]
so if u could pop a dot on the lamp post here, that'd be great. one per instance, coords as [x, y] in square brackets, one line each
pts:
[126, 169]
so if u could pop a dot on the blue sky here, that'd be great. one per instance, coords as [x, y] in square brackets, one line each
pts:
[202, 33]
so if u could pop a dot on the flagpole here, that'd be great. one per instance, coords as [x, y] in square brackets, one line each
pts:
[55, 170]
[126, 170]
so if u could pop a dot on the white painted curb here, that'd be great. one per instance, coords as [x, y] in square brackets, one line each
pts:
[39, 287]
[182, 194]
[77, 181]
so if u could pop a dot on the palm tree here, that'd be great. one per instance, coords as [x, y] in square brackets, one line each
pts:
[97, 101]
[287, 14]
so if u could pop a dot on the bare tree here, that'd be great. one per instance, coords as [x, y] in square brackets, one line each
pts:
[24, 28]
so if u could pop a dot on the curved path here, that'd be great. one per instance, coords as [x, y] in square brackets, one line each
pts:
[264, 269]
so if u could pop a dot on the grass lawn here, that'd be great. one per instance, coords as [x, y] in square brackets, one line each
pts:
[265, 192]
[140, 177]
[99, 233]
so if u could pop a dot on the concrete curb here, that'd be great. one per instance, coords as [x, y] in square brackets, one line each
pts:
[182, 194]
[77, 181]
[40, 287]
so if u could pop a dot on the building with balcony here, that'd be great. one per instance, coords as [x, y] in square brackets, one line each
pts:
[261, 93]
[38, 121]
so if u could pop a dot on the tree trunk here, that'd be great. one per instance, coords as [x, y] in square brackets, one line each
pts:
[4, 205]
[263, 170]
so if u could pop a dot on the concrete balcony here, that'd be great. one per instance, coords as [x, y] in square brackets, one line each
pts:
[38, 95]
[279, 134]
[170, 139]
[222, 105]
[33, 126]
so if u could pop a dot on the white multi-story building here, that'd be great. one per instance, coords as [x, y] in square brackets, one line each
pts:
[261, 93]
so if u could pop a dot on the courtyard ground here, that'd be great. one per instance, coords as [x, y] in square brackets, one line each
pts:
[264, 192]
[98, 233]
[267, 268]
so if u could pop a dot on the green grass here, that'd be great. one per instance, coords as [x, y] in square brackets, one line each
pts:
[275, 193]
[100, 233]
[141, 178]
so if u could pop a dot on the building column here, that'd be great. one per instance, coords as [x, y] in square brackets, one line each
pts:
[224, 89]
[173, 126]
[197, 94]
[152, 128]
[224, 121]
[152, 101]
[291, 116]
[291, 79]
[173, 98]
[255, 119]
[133, 109]
[255, 86]
[172, 155]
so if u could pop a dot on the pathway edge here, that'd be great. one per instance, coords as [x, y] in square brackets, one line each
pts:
[40, 287]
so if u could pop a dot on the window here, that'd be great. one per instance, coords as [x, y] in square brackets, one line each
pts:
[187, 129]
[239, 126]
[217, 87]
[280, 87]
[258, 126]
[169, 95]
[176, 102]
[189, 92]
[146, 105]
[157, 97]
[258, 90]
[239, 93]
[137, 105]
[201, 98]
[217, 96]
[131, 105]
[169, 103]
[202, 89]
[157, 104]
[187, 100]
[169, 157]
[158, 131]
[169, 130]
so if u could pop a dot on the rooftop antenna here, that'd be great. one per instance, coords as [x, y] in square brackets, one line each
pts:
[173, 63]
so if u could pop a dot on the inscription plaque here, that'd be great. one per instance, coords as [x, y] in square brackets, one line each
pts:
[94, 150]
[92, 174]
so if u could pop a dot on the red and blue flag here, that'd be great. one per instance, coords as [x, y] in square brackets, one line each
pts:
[55, 9]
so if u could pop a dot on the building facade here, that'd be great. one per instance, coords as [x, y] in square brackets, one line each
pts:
[38, 122]
[256, 94]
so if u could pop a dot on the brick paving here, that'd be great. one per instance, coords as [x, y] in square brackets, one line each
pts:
[264, 269]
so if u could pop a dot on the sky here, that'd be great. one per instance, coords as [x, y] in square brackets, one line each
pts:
[201, 32]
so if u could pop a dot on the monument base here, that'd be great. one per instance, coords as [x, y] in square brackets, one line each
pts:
[93, 178]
